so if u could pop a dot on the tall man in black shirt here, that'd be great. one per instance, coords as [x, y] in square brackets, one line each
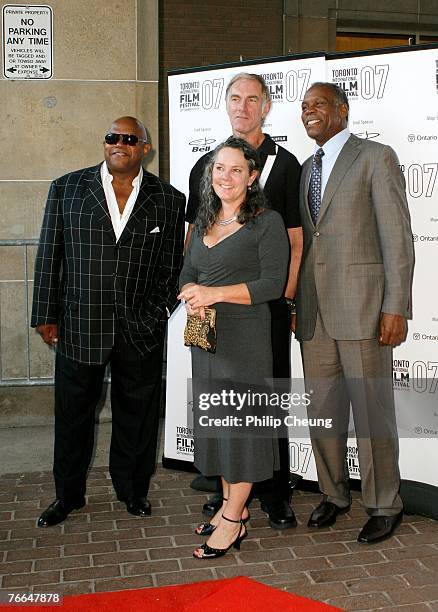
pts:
[248, 103]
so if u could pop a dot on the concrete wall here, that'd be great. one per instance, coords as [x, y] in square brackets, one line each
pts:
[105, 66]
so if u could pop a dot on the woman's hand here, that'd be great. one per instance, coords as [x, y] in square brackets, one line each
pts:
[199, 312]
[198, 296]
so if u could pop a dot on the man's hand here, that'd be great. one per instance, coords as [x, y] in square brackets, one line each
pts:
[393, 329]
[49, 333]
[293, 322]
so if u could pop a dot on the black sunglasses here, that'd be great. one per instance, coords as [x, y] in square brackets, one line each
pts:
[127, 139]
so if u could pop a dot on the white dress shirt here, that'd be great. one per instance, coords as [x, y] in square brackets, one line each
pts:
[331, 149]
[119, 220]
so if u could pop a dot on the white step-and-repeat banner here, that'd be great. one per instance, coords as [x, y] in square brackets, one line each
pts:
[393, 99]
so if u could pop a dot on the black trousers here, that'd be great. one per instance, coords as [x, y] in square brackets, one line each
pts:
[277, 488]
[135, 402]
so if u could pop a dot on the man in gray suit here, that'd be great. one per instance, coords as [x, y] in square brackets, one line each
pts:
[353, 300]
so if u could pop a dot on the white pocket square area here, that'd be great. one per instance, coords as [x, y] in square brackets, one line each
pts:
[156, 230]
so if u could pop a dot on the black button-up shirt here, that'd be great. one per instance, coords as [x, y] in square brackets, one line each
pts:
[281, 188]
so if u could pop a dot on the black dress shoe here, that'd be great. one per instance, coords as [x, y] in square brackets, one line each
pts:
[280, 514]
[212, 505]
[379, 528]
[325, 514]
[58, 512]
[139, 506]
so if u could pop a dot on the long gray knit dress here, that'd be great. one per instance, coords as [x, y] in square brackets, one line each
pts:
[257, 254]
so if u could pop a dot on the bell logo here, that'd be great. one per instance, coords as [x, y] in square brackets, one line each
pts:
[201, 145]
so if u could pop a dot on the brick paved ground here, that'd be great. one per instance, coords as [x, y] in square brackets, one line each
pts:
[102, 548]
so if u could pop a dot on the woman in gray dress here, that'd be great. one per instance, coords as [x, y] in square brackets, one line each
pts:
[236, 261]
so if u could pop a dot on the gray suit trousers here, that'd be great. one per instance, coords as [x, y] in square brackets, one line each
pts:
[338, 372]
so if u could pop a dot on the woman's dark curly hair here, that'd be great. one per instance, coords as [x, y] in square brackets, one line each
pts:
[210, 203]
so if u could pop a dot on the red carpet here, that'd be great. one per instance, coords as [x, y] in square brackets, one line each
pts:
[231, 595]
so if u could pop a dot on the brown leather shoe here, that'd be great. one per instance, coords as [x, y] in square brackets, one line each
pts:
[325, 514]
[379, 528]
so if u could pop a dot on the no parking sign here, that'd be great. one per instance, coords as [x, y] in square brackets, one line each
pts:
[27, 42]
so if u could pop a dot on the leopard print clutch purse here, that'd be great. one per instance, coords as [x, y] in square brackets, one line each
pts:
[201, 333]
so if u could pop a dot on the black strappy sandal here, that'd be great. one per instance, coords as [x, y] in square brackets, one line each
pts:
[206, 529]
[215, 553]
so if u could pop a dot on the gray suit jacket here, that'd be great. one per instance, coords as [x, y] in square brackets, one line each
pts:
[358, 259]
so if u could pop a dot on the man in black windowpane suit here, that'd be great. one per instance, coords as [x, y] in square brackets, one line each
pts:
[106, 276]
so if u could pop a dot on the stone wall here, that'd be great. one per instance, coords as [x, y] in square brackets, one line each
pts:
[105, 65]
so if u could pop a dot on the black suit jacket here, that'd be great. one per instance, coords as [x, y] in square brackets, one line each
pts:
[84, 279]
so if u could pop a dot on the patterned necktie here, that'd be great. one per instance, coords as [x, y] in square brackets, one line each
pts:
[314, 196]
